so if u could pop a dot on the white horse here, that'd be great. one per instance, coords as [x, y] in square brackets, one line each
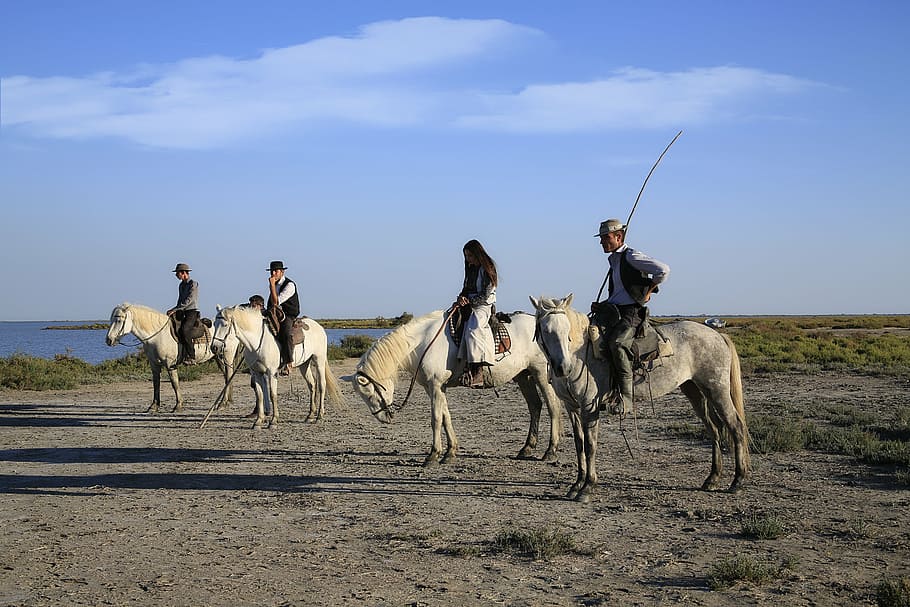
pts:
[704, 364]
[153, 329]
[262, 355]
[374, 379]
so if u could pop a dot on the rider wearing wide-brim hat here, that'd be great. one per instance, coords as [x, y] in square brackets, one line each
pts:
[186, 311]
[283, 295]
[633, 277]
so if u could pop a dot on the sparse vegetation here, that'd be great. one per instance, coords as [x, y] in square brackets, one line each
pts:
[729, 571]
[351, 346]
[64, 372]
[764, 527]
[893, 593]
[538, 544]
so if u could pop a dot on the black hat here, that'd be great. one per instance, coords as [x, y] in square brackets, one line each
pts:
[182, 267]
[276, 265]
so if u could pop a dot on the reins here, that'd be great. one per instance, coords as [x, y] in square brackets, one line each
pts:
[584, 367]
[451, 312]
[141, 340]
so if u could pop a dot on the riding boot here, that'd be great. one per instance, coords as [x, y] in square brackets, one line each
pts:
[622, 404]
[189, 354]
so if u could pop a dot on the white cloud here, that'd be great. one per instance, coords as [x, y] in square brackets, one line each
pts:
[632, 98]
[377, 77]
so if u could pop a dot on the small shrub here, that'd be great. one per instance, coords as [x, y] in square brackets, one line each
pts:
[767, 527]
[351, 346]
[893, 593]
[535, 543]
[739, 569]
[775, 434]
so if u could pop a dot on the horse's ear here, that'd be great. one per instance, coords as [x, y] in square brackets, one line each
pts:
[569, 299]
[218, 307]
[534, 302]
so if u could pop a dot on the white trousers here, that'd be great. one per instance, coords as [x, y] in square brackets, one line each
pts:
[478, 346]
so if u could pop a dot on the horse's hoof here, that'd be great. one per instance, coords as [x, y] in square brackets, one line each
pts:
[526, 452]
[152, 409]
[549, 456]
[177, 409]
[584, 497]
[710, 484]
[431, 461]
[572, 494]
[449, 458]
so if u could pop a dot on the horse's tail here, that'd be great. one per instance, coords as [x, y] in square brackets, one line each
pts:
[333, 392]
[736, 393]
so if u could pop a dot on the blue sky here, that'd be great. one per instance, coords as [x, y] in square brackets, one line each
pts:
[363, 143]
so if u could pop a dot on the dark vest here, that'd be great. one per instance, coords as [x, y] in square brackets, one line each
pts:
[291, 307]
[635, 281]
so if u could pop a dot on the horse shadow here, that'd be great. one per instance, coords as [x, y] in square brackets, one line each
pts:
[73, 484]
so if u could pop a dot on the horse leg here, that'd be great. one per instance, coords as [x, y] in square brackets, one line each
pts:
[723, 411]
[440, 418]
[156, 389]
[700, 406]
[272, 381]
[534, 406]
[554, 410]
[227, 370]
[175, 384]
[306, 370]
[261, 389]
[591, 426]
[578, 435]
[319, 382]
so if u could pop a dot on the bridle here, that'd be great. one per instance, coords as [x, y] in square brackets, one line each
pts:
[543, 346]
[141, 340]
[384, 405]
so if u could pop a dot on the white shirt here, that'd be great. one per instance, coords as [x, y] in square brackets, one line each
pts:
[657, 270]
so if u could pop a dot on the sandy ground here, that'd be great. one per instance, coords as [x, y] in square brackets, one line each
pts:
[105, 505]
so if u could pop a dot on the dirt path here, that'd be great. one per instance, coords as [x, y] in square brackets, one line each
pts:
[104, 505]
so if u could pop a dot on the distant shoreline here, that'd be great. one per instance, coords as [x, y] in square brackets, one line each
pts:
[331, 323]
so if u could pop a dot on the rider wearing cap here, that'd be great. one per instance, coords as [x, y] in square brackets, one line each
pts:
[633, 277]
[283, 295]
[186, 311]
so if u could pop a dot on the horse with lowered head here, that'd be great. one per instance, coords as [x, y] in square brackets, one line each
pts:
[439, 368]
[704, 364]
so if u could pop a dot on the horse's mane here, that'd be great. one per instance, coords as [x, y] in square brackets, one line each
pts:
[247, 318]
[578, 322]
[390, 351]
[142, 313]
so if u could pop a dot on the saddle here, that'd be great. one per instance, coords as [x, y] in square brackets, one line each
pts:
[498, 321]
[199, 332]
[649, 343]
[275, 316]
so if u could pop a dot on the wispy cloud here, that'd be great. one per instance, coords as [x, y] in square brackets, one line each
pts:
[633, 98]
[381, 77]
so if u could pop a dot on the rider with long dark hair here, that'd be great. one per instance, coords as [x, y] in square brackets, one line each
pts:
[478, 294]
